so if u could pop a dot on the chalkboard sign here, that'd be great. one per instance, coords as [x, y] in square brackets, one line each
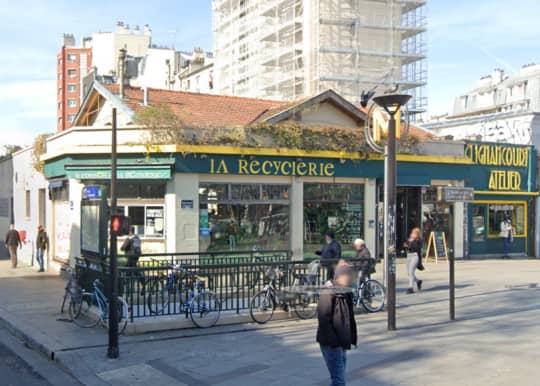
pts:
[437, 246]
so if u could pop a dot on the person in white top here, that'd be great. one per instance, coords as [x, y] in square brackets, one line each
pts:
[506, 235]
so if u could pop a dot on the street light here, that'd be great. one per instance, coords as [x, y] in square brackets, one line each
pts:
[392, 105]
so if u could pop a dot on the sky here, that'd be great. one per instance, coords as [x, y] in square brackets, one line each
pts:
[466, 40]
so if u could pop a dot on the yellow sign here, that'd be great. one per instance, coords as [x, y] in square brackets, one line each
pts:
[256, 167]
[504, 180]
[493, 155]
[380, 124]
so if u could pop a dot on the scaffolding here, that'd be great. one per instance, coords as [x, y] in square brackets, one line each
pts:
[290, 49]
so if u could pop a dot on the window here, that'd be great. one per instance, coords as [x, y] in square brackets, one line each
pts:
[148, 220]
[515, 212]
[71, 118]
[72, 57]
[335, 207]
[72, 87]
[27, 204]
[72, 73]
[72, 102]
[59, 105]
[243, 216]
[479, 224]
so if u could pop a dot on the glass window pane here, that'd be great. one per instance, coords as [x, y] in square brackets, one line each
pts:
[246, 192]
[513, 212]
[275, 192]
[213, 192]
[136, 217]
[154, 221]
[479, 223]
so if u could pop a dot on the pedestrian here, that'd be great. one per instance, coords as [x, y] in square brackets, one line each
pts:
[330, 252]
[414, 259]
[428, 225]
[232, 232]
[42, 245]
[13, 240]
[506, 235]
[367, 266]
[132, 248]
[336, 332]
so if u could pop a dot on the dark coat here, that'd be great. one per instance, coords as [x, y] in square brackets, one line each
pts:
[42, 240]
[331, 250]
[415, 246]
[13, 238]
[337, 326]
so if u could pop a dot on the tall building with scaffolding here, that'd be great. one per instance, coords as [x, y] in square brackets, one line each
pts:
[291, 49]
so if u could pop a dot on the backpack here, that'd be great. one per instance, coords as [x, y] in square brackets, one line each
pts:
[136, 245]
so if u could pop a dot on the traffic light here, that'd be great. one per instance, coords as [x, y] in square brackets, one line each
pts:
[120, 224]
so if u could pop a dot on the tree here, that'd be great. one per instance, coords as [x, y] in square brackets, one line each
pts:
[38, 149]
[9, 150]
[163, 125]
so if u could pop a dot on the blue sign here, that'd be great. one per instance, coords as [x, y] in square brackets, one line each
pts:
[186, 204]
[91, 192]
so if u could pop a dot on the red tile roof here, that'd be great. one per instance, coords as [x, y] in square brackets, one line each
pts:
[208, 110]
[201, 109]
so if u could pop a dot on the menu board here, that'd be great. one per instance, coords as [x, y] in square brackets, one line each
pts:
[154, 221]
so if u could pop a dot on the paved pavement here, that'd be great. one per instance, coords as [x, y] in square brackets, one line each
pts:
[493, 342]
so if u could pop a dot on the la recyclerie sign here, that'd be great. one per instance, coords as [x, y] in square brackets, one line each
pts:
[272, 167]
[511, 158]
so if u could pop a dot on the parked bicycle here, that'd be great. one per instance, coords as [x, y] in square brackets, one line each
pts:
[299, 297]
[72, 290]
[369, 293]
[184, 291]
[92, 308]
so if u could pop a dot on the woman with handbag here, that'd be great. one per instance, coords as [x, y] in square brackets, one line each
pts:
[414, 259]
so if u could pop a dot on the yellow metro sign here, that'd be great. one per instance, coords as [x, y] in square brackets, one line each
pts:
[379, 126]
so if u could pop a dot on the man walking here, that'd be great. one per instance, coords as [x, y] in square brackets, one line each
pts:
[13, 241]
[42, 245]
[330, 251]
[337, 327]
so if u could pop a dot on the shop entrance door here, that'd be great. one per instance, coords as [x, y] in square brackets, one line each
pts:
[409, 204]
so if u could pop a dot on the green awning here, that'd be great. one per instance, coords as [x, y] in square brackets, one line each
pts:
[132, 172]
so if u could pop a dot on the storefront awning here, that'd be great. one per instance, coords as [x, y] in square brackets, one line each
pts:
[132, 172]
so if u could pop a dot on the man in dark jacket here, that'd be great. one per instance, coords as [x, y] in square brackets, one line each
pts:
[330, 251]
[13, 240]
[337, 327]
[42, 245]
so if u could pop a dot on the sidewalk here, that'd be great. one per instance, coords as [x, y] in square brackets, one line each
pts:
[492, 343]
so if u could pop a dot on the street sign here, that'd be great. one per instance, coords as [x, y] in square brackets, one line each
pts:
[91, 192]
[458, 194]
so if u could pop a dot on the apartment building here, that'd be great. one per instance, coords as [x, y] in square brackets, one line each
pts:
[290, 49]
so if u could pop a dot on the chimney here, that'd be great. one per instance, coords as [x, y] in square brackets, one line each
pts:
[122, 70]
[145, 95]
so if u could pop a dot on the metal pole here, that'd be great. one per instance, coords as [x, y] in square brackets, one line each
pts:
[385, 218]
[390, 190]
[113, 350]
[452, 286]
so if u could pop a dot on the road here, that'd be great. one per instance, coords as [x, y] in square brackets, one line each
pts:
[21, 366]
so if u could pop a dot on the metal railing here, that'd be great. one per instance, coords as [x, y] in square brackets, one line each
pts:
[234, 282]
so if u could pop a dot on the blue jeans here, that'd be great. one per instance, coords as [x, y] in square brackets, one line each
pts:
[336, 361]
[506, 246]
[39, 257]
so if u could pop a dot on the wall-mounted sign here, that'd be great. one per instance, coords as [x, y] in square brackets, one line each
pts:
[186, 204]
[91, 192]
[458, 194]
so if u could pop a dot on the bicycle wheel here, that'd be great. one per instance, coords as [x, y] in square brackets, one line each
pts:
[204, 309]
[373, 296]
[306, 305]
[262, 306]
[123, 316]
[159, 295]
[85, 311]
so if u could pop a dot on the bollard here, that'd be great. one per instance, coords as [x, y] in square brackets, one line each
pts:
[452, 287]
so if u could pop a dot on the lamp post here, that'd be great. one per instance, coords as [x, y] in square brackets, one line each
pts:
[391, 104]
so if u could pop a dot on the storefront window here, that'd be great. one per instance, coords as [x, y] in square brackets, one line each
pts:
[148, 220]
[243, 217]
[479, 223]
[336, 207]
[499, 212]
